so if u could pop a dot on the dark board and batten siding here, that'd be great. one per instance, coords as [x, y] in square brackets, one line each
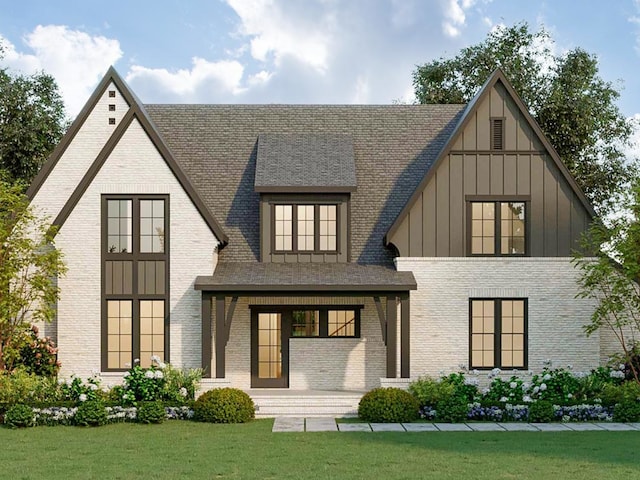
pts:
[435, 226]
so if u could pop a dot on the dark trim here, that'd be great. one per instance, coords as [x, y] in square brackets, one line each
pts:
[136, 112]
[294, 226]
[207, 336]
[472, 107]
[220, 337]
[229, 319]
[497, 200]
[312, 189]
[497, 347]
[392, 336]
[247, 289]
[405, 336]
[497, 152]
[282, 382]
[81, 118]
[382, 317]
[135, 257]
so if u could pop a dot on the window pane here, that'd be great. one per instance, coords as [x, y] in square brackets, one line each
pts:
[482, 333]
[513, 228]
[328, 227]
[119, 333]
[151, 330]
[119, 226]
[341, 323]
[283, 227]
[152, 226]
[482, 228]
[305, 227]
[305, 323]
[512, 339]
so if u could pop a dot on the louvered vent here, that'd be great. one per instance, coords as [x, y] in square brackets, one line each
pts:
[497, 134]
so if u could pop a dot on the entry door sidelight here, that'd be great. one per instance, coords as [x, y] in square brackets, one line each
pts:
[270, 351]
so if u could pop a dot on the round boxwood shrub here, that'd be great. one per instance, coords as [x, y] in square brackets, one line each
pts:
[224, 405]
[151, 412]
[454, 410]
[625, 411]
[541, 412]
[20, 416]
[388, 405]
[91, 413]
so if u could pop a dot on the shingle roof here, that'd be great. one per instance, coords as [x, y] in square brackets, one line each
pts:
[239, 276]
[305, 163]
[393, 148]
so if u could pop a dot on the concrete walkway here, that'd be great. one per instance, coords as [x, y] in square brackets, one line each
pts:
[324, 424]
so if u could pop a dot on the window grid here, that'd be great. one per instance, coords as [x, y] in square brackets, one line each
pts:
[119, 334]
[152, 226]
[119, 226]
[269, 345]
[305, 323]
[283, 225]
[151, 331]
[498, 333]
[497, 228]
[483, 228]
[305, 228]
[306, 234]
[512, 228]
[328, 227]
[341, 323]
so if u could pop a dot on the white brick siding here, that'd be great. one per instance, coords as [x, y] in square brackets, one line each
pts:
[440, 310]
[134, 167]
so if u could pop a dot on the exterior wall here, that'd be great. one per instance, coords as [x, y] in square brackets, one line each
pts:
[440, 310]
[134, 167]
[80, 154]
[436, 223]
[314, 364]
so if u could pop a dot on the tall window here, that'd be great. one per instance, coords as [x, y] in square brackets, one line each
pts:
[498, 333]
[135, 280]
[497, 228]
[305, 228]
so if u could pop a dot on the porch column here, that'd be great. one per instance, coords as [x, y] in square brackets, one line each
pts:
[405, 337]
[392, 336]
[221, 338]
[206, 334]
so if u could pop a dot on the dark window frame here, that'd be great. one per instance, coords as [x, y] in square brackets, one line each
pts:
[294, 225]
[497, 200]
[497, 331]
[494, 121]
[323, 317]
[135, 256]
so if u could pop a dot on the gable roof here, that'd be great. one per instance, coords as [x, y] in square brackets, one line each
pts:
[136, 112]
[393, 147]
[305, 163]
[472, 106]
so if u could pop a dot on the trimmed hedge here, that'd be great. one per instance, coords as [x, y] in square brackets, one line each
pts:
[388, 405]
[224, 405]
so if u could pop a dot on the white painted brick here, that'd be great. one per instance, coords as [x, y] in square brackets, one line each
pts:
[440, 310]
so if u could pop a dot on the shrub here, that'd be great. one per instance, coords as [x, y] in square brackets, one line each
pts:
[452, 411]
[613, 394]
[38, 355]
[430, 392]
[388, 405]
[627, 411]
[557, 386]
[20, 416]
[463, 388]
[180, 384]
[91, 413]
[79, 391]
[541, 412]
[143, 385]
[224, 405]
[151, 412]
[20, 386]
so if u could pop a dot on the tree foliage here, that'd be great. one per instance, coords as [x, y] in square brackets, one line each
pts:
[29, 267]
[32, 121]
[613, 283]
[573, 105]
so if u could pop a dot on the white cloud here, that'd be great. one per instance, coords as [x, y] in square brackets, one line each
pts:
[212, 78]
[455, 16]
[74, 58]
[278, 30]
[361, 94]
[635, 19]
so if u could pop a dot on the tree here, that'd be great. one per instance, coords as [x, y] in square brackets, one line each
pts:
[29, 267]
[32, 121]
[613, 284]
[575, 108]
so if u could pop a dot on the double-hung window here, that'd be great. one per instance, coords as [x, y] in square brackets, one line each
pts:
[135, 257]
[497, 228]
[305, 228]
[498, 333]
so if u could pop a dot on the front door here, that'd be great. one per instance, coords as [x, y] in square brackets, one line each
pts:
[270, 350]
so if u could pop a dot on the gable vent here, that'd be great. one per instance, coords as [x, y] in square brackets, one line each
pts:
[497, 134]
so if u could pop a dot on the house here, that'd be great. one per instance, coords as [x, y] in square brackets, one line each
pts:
[315, 247]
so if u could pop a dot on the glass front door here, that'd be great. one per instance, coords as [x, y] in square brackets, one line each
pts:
[269, 362]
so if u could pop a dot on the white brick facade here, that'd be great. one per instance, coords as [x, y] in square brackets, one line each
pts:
[440, 310]
[134, 167]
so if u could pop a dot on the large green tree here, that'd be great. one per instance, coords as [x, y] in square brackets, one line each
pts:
[32, 121]
[573, 105]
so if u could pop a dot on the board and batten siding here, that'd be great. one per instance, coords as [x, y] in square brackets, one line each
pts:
[436, 224]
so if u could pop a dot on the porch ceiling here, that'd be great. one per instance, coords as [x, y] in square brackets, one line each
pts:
[300, 277]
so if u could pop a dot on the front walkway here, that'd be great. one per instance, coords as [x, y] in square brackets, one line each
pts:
[323, 424]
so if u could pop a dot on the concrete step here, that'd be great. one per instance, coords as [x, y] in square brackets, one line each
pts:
[307, 405]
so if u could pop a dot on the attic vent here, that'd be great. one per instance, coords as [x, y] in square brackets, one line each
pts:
[112, 93]
[497, 134]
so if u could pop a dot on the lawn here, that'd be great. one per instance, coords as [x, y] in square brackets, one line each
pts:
[190, 450]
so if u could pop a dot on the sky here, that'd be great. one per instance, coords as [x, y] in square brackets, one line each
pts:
[293, 51]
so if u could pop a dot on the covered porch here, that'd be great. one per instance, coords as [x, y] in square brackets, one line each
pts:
[255, 302]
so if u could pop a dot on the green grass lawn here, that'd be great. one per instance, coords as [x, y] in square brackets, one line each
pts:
[191, 450]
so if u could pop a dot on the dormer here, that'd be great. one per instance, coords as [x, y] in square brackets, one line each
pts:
[305, 184]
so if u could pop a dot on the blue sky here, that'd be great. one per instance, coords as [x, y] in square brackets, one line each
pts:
[292, 51]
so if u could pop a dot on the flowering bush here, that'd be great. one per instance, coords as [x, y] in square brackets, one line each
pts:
[19, 386]
[583, 413]
[80, 391]
[143, 384]
[557, 386]
[38, 355]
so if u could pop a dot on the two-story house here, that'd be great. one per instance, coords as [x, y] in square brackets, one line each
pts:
[314, 247]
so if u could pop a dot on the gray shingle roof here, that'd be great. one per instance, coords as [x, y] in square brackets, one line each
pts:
[239, 276]
[393, 148]
[305, 163]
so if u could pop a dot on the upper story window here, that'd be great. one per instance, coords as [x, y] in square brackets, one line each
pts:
[305, 228]
[497, 228]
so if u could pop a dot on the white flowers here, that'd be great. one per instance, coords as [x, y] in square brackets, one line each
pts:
[82, 397]
[513, 385]
[536, 389]
[616, 374]
[475, 371]
[149, 374]
[158, 361]
[543, 387]
[183, 392]
[93, 386]
[547, 377]
[496, 371]
[504, 399]
[158, 374]
[527, 399]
